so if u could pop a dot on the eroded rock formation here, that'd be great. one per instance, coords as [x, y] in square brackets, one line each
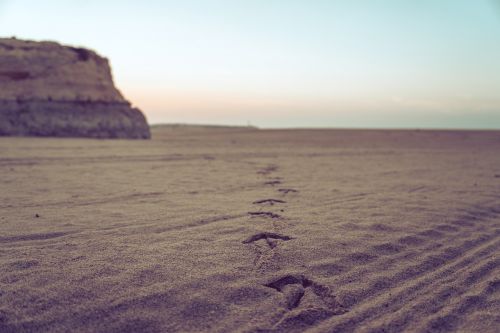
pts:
[47, 89]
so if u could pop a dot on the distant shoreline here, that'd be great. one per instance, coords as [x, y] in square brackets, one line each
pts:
[184, 125]
[252, 127]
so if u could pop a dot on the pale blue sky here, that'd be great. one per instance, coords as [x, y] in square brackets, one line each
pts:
[289, 63]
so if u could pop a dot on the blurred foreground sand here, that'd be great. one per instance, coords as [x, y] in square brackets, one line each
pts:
[225, 230]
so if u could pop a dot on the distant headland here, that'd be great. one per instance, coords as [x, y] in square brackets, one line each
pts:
[50, 89]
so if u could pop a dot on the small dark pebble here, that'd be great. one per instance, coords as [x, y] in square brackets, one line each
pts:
[36, 215]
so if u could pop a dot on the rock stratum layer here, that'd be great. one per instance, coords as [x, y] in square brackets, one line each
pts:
[47, 89]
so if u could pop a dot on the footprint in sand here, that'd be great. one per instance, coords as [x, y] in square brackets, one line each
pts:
[271, 202]
[270, 237]
[265, 214]
[267, 170]
[287, 190]
[297, 289]
[273, 182]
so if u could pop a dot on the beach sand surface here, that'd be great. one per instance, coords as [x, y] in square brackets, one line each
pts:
[244, 230]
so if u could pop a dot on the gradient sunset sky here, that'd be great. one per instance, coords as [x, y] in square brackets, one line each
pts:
[288, 63]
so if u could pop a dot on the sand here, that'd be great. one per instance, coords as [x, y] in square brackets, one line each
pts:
[245, 230]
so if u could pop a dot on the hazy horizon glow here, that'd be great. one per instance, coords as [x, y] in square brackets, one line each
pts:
[288, 63]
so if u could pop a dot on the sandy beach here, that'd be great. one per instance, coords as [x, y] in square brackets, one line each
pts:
[244, 230]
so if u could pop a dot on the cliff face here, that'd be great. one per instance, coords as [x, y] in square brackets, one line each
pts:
[47, 89]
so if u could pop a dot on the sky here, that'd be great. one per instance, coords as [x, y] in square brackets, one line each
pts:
[288, 63]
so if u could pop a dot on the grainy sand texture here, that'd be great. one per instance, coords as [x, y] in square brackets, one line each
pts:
[245, 230]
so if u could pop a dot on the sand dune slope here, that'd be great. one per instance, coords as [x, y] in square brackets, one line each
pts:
[228, 230]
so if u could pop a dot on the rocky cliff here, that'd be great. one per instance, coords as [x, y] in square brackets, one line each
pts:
[47, 89]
